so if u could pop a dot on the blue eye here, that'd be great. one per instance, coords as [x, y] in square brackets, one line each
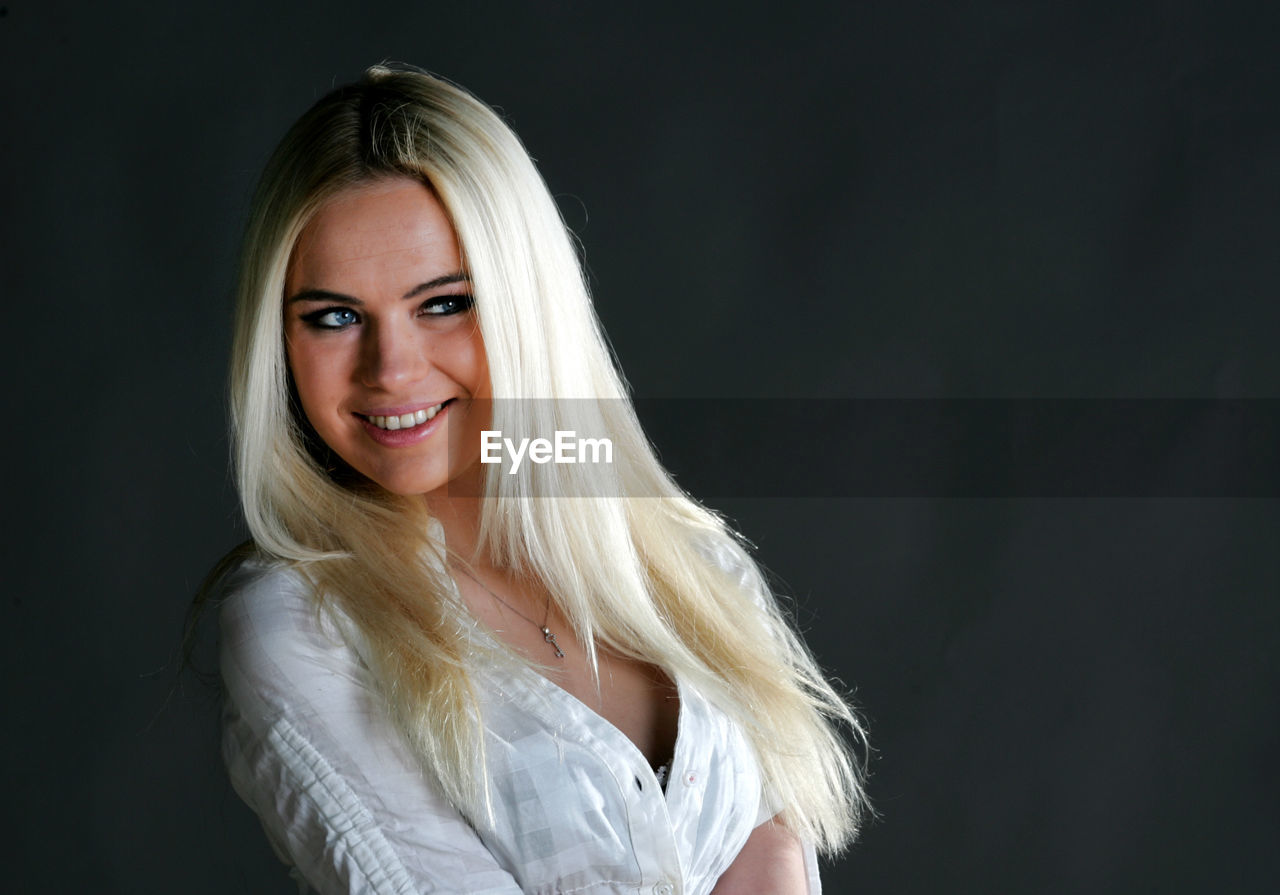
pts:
[444, 305]
[331, 318]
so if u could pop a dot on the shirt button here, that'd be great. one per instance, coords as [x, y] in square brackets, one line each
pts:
[663, 889]
[692, 778]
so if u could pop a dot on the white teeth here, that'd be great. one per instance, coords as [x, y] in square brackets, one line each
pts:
[406, 420]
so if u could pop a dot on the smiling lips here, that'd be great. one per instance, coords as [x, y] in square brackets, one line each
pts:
[406, 420]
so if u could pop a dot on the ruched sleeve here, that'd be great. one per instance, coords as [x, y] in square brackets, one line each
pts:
[312, 751]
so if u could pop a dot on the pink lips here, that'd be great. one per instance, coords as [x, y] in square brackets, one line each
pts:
[405, 437]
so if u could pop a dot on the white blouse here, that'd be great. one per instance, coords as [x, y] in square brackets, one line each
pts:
[577, 809]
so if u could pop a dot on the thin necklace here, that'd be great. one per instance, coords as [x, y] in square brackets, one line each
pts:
[546, 632]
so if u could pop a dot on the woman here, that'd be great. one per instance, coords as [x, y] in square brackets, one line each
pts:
[457, 676]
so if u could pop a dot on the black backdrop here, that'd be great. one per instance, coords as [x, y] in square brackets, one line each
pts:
[864, 200]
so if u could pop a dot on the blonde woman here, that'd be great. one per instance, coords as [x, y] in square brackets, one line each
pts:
[448, 675]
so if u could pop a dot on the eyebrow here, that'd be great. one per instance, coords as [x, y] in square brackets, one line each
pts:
[326, 296]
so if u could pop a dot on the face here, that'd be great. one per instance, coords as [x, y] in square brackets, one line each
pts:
[382, 340]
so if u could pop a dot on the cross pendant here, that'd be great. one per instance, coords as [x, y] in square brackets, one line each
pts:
[551, 639]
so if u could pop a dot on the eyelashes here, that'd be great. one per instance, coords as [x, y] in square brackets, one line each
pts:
[331, 318]
[341, 316]
[446, 305]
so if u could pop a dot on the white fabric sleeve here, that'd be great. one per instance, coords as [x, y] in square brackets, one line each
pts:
[811, 869]
[310, 748]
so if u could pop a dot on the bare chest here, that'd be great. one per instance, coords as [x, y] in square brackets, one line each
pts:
[636, 698]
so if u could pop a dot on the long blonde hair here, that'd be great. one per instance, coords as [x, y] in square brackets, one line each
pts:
[639, 569]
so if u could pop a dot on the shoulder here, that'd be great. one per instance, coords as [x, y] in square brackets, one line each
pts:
[263, 605]
[723, 552]
[261, 598]
[279, 648]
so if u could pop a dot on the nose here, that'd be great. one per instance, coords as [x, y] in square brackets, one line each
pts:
[393, 355]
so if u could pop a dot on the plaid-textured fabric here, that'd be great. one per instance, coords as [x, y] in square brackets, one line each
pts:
[577, 808]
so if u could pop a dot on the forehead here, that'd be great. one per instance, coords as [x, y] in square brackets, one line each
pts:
[387, 229]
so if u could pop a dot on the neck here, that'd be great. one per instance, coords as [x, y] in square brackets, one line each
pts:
[460, 519]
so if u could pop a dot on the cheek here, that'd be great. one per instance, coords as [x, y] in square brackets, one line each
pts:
[477, 365]
[459, 356]
[308, 369]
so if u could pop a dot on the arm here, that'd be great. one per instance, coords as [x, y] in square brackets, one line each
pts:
[311, 750]
[771, 863]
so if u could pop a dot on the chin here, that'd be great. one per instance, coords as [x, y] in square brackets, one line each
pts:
[410, 487]
[415, 484]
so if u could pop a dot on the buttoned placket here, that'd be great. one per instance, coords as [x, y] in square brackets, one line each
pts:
[651, 826]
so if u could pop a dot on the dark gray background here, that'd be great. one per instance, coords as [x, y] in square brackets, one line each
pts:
[998, 199]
